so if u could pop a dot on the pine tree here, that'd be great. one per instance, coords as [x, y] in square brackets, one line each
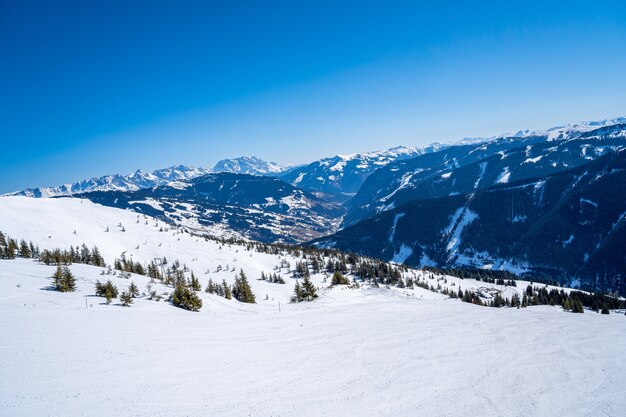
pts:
[184, 298]
[126, 298]
[194, 283]
[63, 280]
[25, 250]
[297, 293]
[133, 290]
[339, 279]
[308, 289]
[226, 289]
[107, 290]
[242, 290]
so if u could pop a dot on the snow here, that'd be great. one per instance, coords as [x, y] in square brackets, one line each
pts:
[504, 176]
[446, 175]
[366, 351]
[352, 352]
[50, 224]
[569, 240]
[402, 254]
[392, 233]
[131, 182]
[461, 218]
[586, 200]
[299, 178]
[482, 168]
[533, 160]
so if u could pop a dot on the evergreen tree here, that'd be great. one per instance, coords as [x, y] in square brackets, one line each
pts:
[194, 283]
[133, 290]
[308, 289]
[226, 289]
[107, 290]
[297, 293]
[25, 250]
[242, 290]
[63, 280]
[184, 298]
[339, 279]
[126, 298]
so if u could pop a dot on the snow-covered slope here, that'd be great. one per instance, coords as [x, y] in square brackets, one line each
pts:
[249, 165]
[352, 352]
[131, 182]
[61, 222]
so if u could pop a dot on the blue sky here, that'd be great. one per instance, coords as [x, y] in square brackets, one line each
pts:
[89, 88]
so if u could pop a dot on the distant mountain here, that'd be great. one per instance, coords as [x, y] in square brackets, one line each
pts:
[249, 165]
[344, 174]
[132, 182]
[233, 205]
[569, 225]
[463, 169]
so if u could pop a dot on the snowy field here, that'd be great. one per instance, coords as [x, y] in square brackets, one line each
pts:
[352, 352]
[366, 351]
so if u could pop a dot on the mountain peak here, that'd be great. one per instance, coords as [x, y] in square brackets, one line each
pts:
[138, 180]
[248, 165]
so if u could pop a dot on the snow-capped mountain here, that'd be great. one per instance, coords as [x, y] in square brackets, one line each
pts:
[344, 174]
[566, 225]
[233, 205]
[131, 182]
[249, 165]
[466, 168]
[569, 131]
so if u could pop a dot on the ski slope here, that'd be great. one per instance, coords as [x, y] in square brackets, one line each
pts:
[366, 351]
[352, 352]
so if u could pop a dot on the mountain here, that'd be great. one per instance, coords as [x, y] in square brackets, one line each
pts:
[463, 169]
[567, 225]
[232, 205]
[343, 175]
[132, 182]
[249, 165]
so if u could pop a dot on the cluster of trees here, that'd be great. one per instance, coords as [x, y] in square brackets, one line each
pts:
[106, 290]
[63, 280]
[184, 297]
[485, 275]
[128, 265]
[304, 292]
[223, 289]
[339, 279]
[81, 255]
[273, 278]
[10, 248]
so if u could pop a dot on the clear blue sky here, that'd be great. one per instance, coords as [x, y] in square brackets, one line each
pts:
[95, 87]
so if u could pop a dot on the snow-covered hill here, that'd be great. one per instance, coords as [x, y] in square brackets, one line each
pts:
[131, 182]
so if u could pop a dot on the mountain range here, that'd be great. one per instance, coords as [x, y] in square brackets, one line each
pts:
[531, 202]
